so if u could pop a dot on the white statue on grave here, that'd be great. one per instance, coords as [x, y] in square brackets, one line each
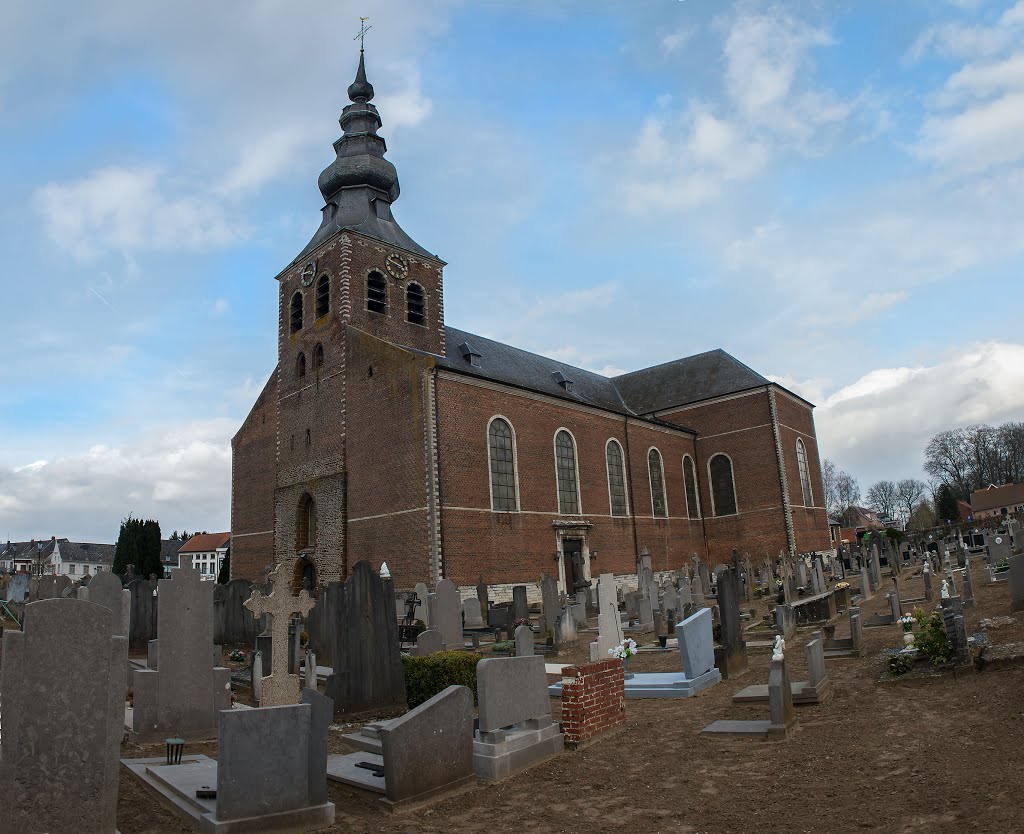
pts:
[385, 571]
[778, 653]
[945, 589]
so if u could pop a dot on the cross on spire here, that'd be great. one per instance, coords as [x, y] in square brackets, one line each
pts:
[363, 29]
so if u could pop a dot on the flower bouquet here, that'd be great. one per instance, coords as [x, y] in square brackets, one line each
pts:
[625, 650]
[907, 621]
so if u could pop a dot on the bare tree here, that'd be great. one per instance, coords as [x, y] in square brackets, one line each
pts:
[909, 493]
[881, 497]
[847, 494]
[828, 480]
[948, 457]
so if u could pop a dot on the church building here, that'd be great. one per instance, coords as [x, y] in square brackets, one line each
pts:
[386, 434]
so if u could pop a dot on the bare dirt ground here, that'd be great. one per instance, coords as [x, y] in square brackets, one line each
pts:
[944, 754]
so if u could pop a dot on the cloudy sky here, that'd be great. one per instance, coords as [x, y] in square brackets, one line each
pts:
[831, 191]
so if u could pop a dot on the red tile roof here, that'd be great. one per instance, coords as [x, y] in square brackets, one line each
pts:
[205, 542]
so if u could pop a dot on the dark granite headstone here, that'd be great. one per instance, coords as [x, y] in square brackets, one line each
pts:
[368, 671]
[430, 748]
[733, 660]
[520, 607]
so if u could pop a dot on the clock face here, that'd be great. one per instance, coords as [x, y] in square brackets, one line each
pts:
[397, 266]
[308, 272]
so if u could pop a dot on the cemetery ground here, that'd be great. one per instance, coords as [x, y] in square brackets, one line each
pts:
[920, 754]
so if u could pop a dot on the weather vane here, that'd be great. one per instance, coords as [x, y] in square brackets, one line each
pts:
[363, 29]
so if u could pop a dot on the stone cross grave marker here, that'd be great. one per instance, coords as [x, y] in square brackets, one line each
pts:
[280, 688]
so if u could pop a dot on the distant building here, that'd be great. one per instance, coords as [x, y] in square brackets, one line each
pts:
[207, 551]
[995, 500]
[78, 559]
[75, 559]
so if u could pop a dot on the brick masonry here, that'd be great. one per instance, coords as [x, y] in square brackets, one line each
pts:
[393, 451]
[593, 701]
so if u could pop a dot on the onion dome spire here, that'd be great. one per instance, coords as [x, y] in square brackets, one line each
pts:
[360, 90]
[360, 185]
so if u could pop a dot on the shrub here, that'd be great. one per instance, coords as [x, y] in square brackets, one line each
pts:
[426, 676]
[931, 637]
[503, 646]
[900, 664]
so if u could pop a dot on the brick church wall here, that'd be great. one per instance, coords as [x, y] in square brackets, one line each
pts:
[387, 458]
[810, 523]
[509, 547]
[253, 473]
[740, 427]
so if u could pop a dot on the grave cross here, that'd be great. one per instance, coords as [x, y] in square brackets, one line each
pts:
[279, 687]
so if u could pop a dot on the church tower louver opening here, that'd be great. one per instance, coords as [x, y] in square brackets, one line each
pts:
[360, 285]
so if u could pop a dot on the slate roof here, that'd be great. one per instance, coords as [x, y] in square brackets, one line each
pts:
[205, 542]
[169, 550]
[504, 363]
[26, 550]
[688, 380]
[643, 392]
[87, 552]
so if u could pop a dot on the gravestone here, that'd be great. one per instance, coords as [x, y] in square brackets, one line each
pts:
[817, 689]
[609, 623]
[1016, 583]
[427, 642]
[257, 676]
[280, 687]
[447, 615]
[968, 583]
[515, 726]
[549, 605]
[181, 696]
[733, 660]
[62, 680]
[270, 772]
[644, 574]
[780, 699]
[998, 546]
[785, 621]
[423, 594]
[17, 588]
[424, 754]
[144, 614]
[566, 636]
[696, 644]
[705, 579]
[106, 590]
[233, 625]
[926, 573]
[471, 613]
[520, 607]
[482, 598]
[685, 596]
[368, 672]
[524, 641]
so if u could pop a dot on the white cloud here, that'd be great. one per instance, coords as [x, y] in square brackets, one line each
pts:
[963, 40]
[878, 425]
[773, 106]
[178, 474]
[124, 209]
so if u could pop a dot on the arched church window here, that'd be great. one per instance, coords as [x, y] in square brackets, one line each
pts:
[659, 505]
[416, 304]
[376, 293]
[805, 473]
[501, 453]
[566, 474]
[690, 483]
[305, 523]
[723, 489]
[318, 357]
[296, 312]
[616, 478]
[323, 296]
[300, 365]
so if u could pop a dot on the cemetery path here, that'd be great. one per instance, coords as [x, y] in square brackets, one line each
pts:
[932, 755]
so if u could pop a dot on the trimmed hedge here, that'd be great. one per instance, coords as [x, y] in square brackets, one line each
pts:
[426, 676]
